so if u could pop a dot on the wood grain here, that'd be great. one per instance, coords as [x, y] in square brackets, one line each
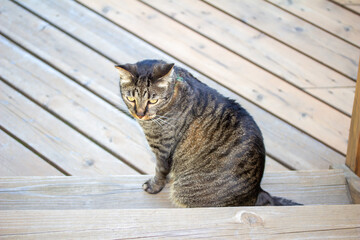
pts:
[54, 139]
[17, 160]
[284, 142]
[121, 192]
[354, 189]
[343, 222]
[244, 78]
[326, 15]
[353, 151]
[295, 32]
[262, 50]
[85, 111]
[353, 5]
[272, 165]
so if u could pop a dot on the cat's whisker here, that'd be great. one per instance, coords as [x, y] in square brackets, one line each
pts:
[165, 122]
[157, 122]
[164, 118]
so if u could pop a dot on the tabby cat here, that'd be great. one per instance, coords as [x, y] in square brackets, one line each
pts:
[207, 146]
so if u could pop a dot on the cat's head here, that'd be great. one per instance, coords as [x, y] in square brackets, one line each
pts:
[146, 87]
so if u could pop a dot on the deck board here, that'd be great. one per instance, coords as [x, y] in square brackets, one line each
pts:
[324, 187]
[326, 15]
[110, 128]
[76, 106]
[232, 71]
[353, 5]
[61, 114]
[223, 223]
[305, 124]
[295, 32]
[53, 139]
[17, 160]
[262, 50]
[283, 142]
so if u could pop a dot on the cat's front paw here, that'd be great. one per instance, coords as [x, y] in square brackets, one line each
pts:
[153, 187]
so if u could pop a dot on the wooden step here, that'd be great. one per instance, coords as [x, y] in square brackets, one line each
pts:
[300, 222]
[125, 192]
[117, 207]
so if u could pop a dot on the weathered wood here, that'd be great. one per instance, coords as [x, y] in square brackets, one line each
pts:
[55, 140]
[286, 143]
[295, 32]
[263, 50]
[350, 4]
[229, 69]
[17, 160]
[272, 165]
[327, 15]
[353, 151]
[353, 182]
[115, 192]
[85, 111]
[354, 189]
[319, 222]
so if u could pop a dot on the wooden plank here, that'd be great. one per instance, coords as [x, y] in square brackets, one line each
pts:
[263, 50]
[246, 79]
[18, 160]
[86, 112]
[77, 106]
[85, 66]
[327, 15]
[350, 4]
[284, 142]
[354, 189]
[295, 32]
[272, 165]
[53, 139]
[353, 151]
[223, 223]
[124, 192]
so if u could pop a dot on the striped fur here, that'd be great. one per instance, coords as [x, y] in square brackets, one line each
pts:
[208, 146]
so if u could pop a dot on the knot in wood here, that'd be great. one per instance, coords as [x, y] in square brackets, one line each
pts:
[249, 218]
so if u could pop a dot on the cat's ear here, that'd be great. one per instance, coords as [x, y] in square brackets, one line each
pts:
[126, 72]
[163, 74]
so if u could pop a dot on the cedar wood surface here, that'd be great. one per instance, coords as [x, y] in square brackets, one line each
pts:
[353, 151]
[292, 70]
[291, 64]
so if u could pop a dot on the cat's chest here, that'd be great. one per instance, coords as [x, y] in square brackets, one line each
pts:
[156, 131]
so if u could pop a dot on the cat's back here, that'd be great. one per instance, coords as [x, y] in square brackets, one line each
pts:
[222, 149]
[216, 122]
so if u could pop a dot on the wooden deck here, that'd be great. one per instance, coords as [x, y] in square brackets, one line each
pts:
[292, 64]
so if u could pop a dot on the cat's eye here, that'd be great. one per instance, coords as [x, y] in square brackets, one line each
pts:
[153, 101]
[131, 99]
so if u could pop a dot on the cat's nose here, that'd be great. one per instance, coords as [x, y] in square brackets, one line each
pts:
[140, 114]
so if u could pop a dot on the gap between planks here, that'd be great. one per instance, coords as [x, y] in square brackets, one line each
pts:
[287, 157]
[234, 74]
[210, 83]
[44, 95]
[261, 50]
[53, 139]
[326, 15]
[269, 19]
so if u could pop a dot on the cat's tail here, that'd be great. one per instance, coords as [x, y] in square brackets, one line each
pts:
[265, 199]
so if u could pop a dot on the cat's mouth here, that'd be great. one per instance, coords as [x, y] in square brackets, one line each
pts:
[143, 118]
